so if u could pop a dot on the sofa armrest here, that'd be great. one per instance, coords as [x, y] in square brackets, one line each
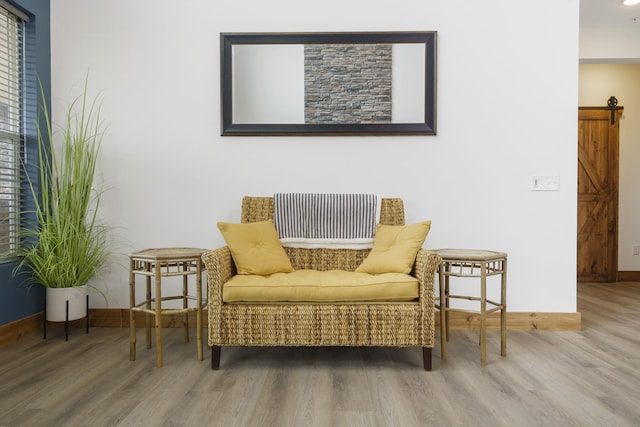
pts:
[220, 268]
[425, 270]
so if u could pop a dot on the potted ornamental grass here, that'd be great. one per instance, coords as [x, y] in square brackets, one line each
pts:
[68, 245]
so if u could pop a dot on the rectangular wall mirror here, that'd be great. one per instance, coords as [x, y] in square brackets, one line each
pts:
[381, 83]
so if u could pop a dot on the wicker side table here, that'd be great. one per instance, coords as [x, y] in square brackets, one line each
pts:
[158, 263]
[474, 264]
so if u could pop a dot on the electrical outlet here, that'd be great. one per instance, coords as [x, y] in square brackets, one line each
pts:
[635, 249]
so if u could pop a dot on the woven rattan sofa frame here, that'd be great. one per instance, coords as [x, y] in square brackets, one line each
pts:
[393, 324]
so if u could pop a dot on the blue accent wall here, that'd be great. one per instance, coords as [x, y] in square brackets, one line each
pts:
[16, 300]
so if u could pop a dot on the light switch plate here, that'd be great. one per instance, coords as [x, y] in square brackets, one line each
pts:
[545, 183]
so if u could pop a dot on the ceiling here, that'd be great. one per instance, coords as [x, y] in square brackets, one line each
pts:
[608, 13]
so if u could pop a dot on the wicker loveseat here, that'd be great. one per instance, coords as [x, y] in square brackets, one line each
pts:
[387, 324]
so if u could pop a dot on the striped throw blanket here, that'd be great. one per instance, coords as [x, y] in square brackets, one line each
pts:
[338, 221]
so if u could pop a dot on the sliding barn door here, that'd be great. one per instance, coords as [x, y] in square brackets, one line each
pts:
[598, 156]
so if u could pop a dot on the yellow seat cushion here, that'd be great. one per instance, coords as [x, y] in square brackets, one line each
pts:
[395, 248]
[255, 247]
[321, 286]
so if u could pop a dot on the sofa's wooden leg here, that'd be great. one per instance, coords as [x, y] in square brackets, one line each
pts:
[215, 357]
[426, 358]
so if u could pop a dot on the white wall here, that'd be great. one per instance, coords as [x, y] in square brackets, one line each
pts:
[507, 98]
[268, 83]
[603, 44]
[408, 83]
[597, 83]
[609, 32]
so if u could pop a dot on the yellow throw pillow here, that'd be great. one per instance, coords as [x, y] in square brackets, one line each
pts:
[395, 248]
[255, 248]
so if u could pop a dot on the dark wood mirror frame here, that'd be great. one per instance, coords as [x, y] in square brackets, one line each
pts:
[427, 127]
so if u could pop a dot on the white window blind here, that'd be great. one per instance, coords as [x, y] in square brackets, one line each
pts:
[11, 127]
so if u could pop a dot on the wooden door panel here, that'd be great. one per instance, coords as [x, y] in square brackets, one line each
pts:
[590, 179]
[585, 185]
[593, 261]
[597, 195]
[589, 210]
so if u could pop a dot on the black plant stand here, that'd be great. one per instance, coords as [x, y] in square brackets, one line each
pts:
[66, 321]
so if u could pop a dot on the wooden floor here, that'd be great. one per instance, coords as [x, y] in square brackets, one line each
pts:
[586, 378]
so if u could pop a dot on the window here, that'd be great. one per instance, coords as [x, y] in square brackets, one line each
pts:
[11, 127]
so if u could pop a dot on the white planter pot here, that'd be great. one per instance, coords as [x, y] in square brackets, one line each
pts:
[57, 303]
